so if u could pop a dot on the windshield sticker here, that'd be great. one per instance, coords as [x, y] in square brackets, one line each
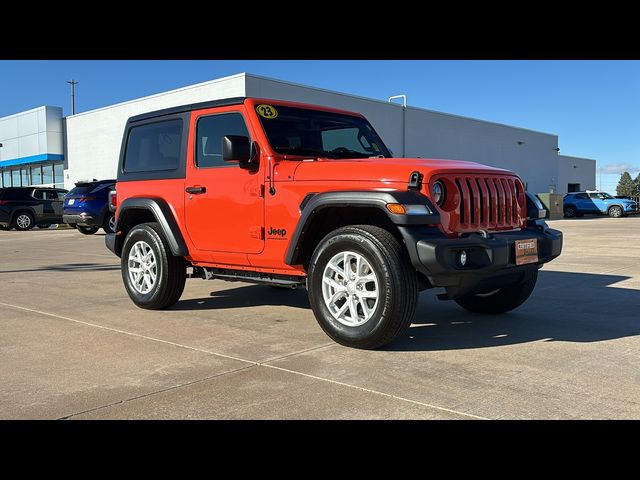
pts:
[267, 111]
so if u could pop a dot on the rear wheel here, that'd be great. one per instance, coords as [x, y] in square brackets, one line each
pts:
[87, 230]
[152, 276]
[362, 287]
[570, 211]
[615, 211]
[23, 221]
[109, 223]
[503, 299]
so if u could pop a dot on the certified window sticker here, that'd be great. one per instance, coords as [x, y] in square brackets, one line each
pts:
[267, 111]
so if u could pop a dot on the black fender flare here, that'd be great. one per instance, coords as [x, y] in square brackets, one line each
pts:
[31, 210]
[359, 198]
[161, 211]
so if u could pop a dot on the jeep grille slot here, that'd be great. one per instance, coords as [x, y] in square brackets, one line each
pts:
[488, 202]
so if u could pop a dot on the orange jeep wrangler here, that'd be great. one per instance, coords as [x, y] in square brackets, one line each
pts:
[293, 195]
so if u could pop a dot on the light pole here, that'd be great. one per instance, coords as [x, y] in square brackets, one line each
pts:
[404, 120]
[73, 84]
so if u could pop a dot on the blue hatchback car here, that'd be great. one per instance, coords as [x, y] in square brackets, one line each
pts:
[86, 207]
[577, 204]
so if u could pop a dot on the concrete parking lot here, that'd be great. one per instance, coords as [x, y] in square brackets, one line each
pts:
[72, 344]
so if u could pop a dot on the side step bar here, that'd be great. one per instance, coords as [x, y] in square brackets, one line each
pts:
[230, 275]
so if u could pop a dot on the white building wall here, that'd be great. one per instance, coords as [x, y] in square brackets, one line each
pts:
[94, 138]
[576, 170]
[30, 133]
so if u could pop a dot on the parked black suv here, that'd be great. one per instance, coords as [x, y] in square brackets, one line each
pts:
[25, 207]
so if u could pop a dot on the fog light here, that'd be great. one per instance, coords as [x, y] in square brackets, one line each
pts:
[462, 258]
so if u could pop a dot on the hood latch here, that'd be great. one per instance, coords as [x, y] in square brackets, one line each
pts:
[415, 180]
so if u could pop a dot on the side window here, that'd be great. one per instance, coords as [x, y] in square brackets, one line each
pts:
[209, 135]
[154, 146]
[39, 194]
[582, 196]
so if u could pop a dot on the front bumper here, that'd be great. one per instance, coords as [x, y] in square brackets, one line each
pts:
[490, 260]
[82, 219]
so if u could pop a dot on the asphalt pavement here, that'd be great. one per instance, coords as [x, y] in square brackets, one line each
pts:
[72, 344]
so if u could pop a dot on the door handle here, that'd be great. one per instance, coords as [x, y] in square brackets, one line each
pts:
[196, 190]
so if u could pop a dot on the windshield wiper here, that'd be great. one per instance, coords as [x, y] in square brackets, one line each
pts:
[306, 151]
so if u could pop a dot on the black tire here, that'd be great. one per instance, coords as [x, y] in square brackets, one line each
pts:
[570, 211]
[87, 230]
[106, 226]
[615, 211]
[504, 299]
[72, 225]
[398, 286]
[44, 225]
[171, 273]
[25, 219]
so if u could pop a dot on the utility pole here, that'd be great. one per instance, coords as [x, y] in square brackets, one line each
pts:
[73, 84]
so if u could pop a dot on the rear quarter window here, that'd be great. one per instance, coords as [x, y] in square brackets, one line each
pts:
[154, 147]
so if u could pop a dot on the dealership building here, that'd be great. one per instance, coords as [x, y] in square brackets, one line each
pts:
[40, 147]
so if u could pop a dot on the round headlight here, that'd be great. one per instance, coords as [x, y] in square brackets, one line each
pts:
[438, 193]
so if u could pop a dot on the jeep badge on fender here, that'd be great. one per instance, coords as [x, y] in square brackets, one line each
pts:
[277, 232]
[363, 231]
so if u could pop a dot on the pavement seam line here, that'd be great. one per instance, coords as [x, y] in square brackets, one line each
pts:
[253, 363]
[124, 332]
[377, 392]
[144, 395]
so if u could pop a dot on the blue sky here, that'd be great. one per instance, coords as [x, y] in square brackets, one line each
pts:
[594, 106]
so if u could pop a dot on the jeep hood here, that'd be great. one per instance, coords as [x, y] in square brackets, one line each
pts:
[386, 169]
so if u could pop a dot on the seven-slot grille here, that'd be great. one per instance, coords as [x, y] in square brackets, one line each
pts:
[489, 201]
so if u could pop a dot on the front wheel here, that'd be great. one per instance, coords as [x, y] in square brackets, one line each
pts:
[503, 299]
[615, 211]
[363, 289]
[153, 277]
[87, 230]
[569, 211]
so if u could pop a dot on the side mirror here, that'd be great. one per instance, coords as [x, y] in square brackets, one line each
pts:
[238, 148]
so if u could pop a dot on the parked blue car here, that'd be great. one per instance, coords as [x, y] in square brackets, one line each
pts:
[577, 204]
[86, 207]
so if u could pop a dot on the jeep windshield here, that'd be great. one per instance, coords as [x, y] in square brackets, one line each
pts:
[302, 131]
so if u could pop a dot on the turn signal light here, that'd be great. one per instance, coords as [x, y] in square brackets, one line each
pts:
[396, 208]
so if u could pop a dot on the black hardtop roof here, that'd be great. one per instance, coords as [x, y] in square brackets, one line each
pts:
[187, 108]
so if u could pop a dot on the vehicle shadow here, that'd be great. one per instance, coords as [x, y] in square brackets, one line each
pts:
[69, 267]
[570, 307]
[247, 296]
